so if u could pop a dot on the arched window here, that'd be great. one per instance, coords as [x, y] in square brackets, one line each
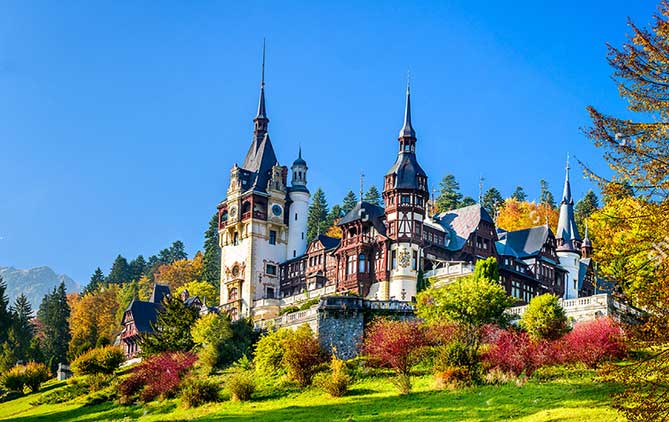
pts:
[361, 263]
[232, 294]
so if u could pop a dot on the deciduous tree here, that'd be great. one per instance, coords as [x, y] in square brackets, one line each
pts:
[514, 215]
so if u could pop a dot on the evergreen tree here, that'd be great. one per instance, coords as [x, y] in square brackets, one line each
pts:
[5, 314]
[467, 201]
[317, 220]
[492, 201]
[487, 269]
[176, 252]
[334, 215]
[120, 271]
[350, 201]
[54, 315]
[546, 196]
[22, 327]
[212, 253]
[137, 267]
[172, 328]
[584, 208]
[97, 280]
[449, 194]
[373, 196]
[519, 194]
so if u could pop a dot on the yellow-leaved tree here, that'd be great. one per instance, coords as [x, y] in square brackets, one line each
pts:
[518, 215]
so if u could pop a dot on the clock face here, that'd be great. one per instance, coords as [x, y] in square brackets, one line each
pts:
[277, 210]
[233, 212]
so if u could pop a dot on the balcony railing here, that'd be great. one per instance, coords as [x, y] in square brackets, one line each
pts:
[359, 239]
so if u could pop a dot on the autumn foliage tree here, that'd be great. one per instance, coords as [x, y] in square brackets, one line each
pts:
[632, 247]
[181, 272]
[517, 215]
[93, 319]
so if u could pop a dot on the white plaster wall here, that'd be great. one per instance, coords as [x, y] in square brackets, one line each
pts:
[569, 261]
[403, 279]
[297, 229]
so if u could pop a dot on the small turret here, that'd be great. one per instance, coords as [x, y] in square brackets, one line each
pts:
[586, 246]
[299, 169]
[299, 208]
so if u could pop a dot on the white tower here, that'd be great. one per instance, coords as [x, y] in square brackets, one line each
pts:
[569, 241]
[299, 209]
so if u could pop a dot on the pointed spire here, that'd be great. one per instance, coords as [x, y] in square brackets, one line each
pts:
[566, 193]
[567, 231]
[262, 112]
[407, 130]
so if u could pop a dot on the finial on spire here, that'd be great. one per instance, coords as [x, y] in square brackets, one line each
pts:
[262, 112]
[407, 130]
[362, 180]
[481, 179]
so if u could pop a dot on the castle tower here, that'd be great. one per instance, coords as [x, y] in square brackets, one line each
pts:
[253, 228]
[299, 208]
[568, 240]
[586, 247]
[405, 194]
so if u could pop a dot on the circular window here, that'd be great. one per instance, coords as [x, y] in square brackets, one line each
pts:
[276, 210]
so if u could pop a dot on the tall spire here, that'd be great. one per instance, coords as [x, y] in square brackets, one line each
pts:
[261, 119]
[407, 130]
[567, 231]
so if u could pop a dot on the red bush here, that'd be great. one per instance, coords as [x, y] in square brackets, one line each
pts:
[157, 376]
[441, 333]
[591, 343]
[395, 344]
[514, 352]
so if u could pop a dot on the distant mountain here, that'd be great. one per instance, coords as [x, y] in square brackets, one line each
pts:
[34, 283]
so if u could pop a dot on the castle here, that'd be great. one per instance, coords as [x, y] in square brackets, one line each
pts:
[266, 262]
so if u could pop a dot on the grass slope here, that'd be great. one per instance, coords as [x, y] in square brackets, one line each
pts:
[575, 397]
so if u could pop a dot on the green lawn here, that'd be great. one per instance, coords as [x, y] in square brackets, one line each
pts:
[575, 397]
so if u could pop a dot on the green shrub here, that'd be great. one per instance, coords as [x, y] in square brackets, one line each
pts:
[288, 310]
[457, 353]
[269, 352]
[34, 375]
[403, 383]
[62, 395]
[14, 380]
[544, 318]
[196, 392]
[337, 380]
[104, 360]
[309, 303]
[241, 386]
[97, 382]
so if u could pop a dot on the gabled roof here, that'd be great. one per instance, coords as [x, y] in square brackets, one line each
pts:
[366, 212]
[144, 314]
[159, 292]
[461, 223]
[525, 243]
[329, 242]
[259, 161]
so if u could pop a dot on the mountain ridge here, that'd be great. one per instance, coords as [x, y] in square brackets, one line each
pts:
[34, 283]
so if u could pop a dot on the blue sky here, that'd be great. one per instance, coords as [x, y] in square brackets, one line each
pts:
[119, 121]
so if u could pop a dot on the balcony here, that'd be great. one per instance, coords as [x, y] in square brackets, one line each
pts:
[362, 239]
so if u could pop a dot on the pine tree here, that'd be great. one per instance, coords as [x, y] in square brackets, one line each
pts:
[350, 201]
[334, 215]
[5, 314]
[137, 267]
[54, 315]
[584, 208]
[492, 201]
[97, 280]
[373, 196]
[449, 194]
[467, 201]
[172, 328]
[519, 194]
[212, 253]
[120, 271]
[22, 328]
[546, 196]
[176, 252]
[318, 213]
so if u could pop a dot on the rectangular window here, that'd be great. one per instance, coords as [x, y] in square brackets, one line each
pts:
[406, 199]
[394, 260]
[272, 237]
[414, 261]
[236, 239]
[270, 293]
[271, 269]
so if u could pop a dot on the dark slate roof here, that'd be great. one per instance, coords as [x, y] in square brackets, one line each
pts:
[461, 222]
[567, 229]
[144, 314]
[259, 161]
[525, 243]
[329, 242]
[366, 212]
[407, 169]
[407, 130]
[159, 292]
